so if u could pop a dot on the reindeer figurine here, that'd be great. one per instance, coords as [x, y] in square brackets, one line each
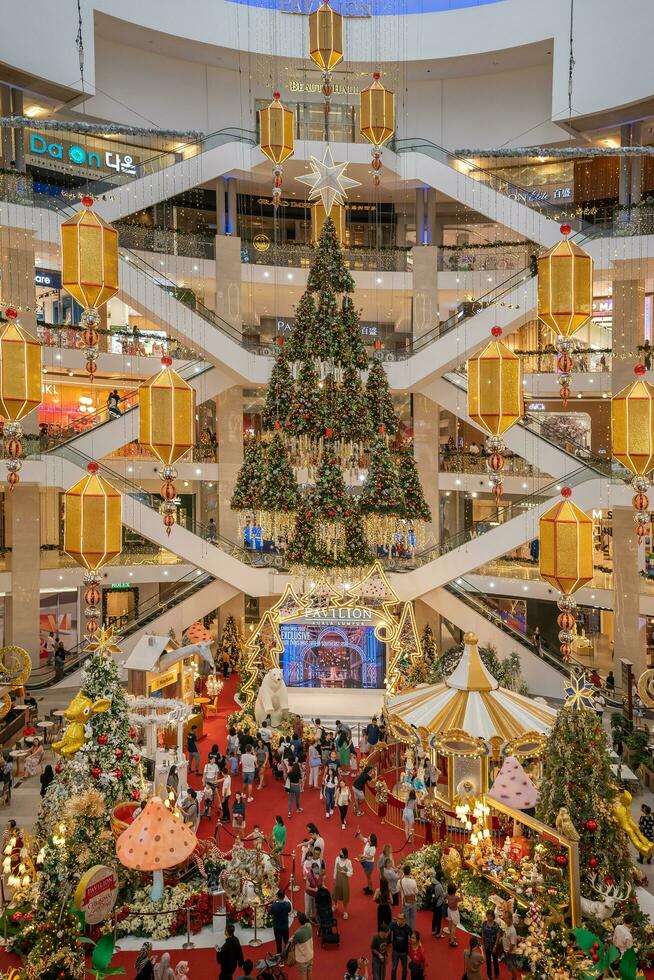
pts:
[609, 895]
[78, 713]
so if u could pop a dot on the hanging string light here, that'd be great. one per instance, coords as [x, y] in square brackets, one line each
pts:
[89, 271]
[92, 534]
[326, 45]
[566, 559]
[276, 140]
[495, 399]
[565, 299]
[377, 125]
[167, 427]
[21, 368]
[632, 441]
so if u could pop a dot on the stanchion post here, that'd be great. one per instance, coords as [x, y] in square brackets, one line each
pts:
[188, 944]
[255, 941]
[115, 932]
[293, 887]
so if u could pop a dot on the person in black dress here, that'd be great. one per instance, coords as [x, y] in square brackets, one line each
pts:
[230, 955]
[144, 963]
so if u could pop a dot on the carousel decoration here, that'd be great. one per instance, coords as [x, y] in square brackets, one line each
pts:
[326, 45]
[495, 399]
[565, 299]
[276, 140]
[632, 441]
[92, 534]
[377, 123]
[21, 367]
[566, 560]
[167, 427]
[89, 270]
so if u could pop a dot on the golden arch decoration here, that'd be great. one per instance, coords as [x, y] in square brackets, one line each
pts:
[646, 688]
[15, 666]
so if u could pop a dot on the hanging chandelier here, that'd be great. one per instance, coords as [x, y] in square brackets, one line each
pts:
[377, 120]
[276, 140]
[21, 372]
[632, 441]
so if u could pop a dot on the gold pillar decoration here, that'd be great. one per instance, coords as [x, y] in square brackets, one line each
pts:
[167, 427]
[566, 559]
[89, 270]
[565, 299]
[93, 524]
[276, 140]
[377, 120]
[21, 373]
[495, 399]
[632, 441]
[326, 45]
[319, 216]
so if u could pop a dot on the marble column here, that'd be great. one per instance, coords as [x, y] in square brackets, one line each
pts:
[628, 333]
[425, 289]
[229, 431]
[228, 280]
[426, 433]
[22, 607]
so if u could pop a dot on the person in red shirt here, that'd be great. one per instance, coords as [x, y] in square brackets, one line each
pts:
[417, 961]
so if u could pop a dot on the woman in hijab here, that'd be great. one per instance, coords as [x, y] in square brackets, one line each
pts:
[145, 963]
[163, 970]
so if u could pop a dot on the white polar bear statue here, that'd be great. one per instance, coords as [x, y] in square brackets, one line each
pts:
[272, 699]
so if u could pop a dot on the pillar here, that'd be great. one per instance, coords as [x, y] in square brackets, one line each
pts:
[430, 218]
[232, 217]
[22, 607]
[228, 280]
[229, 431]
[420, 216]
[636, 164]
[17, 110]
[221, 211]
[628, 333]
[7, 138]
[425, 289]
[426, 438]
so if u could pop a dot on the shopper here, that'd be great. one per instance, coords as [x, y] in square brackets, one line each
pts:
[329, 785]
[400, 935]
[225, 795]
[378, 950]
[113, 404]
[312, 882]
[279, 840]
[248, 769]
[473, 959]
[453, 915]
[646, 825]
[261, 755]
[372, 733]
[367, 859]
[302, 942]
[386, 854]
[622, 936]
[144, 966]
[356, 969]
[315, 761]
[46, 778]
[436, 902]
[509, 946]
[409, 894]
[343, 871]
[417, 960]
[392, 876]
[192, 749]
[359, 786]
[280, 910]
[490, 939]
[229, 955]
[238, 812]
[191, 810]
[212, 531]
[409, 815]
[343, 800]
[294, 780]
[383, 901]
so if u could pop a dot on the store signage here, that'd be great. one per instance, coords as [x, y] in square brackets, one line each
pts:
[603, 305]
[369, 8]
[528, 197]
[96, 894]
[120, 585]
[48, 389]
[73, 153]
[536, 407]
[348, 8]
[165, 680]
[296, 85]
[284, 325]
[333, 613]
[47, 279]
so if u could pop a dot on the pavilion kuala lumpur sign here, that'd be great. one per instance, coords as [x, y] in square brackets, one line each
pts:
[368, 8]
[96, 894]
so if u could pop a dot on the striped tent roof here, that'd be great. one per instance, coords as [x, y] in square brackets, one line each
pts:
[470, 699]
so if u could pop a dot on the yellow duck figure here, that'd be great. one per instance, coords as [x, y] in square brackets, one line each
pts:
[77, 714]
[623, 818]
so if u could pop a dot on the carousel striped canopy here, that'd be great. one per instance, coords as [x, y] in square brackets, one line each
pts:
[471, 700]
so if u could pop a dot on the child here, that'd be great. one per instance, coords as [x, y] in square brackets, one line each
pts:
[238, 811]
[233, 763]
[208, 800]
[453, 915]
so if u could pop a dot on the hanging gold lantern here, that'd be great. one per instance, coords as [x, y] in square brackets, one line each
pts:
[495, 399]
[276, 139]
[93, 522]
[21, 372]
[326, 45]
[89, 270]
[377, 120]
[318, 217]
[632, 440]
[566, 559]
[565, 299]
[167, 427]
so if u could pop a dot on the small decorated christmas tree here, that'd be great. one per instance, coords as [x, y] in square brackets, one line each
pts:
[354, 416]
[415, 507]
[306, 422]
[279, 494]
[230, 642]
[54, 941]
[329, 271]
[380, 401]
[330, 504]
[428, 644]
[329, 329]
[279, 396]
[381, 500]
[247, 495]
[577, 775]
[357, 356]
[356, 552]
[301, 343]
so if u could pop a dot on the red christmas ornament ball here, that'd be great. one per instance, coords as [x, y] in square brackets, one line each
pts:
[593, 862]
[103, 739]
[565, 229]
[118, 773]
[329, 432]
[561, 860]
[92, 467]
[608, 880]
[496, 331]
[378, 345]
[280, 341]
[591, 825]
[376, 163]
[58, 768]
[132, 733]
[566, 621]
[136, 795]
[566, 649]
[11, 313]
[87, 200]
[640, 501]
[277, 96]
[14, 448]
[168, 491]
[278, 424]
[376, 75]
[495, 462]
[564, 363]
[566, 492]
[382, 428]
[136, 758]
[166, 360]
[119, 753]
[640, 369]
[96, 772]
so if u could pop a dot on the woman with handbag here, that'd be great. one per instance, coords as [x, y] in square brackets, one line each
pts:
[329, 785]
[343, 800]
[343, 871]
[473, 960]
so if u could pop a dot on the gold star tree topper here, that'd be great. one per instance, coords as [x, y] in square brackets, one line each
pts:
[328, 181]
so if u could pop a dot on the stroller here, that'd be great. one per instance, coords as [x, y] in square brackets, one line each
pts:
[327, 925]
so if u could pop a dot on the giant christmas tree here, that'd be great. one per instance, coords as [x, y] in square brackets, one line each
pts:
[331, 427]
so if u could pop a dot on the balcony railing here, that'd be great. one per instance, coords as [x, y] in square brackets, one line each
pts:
[296, 255]
[464, 461]
[480, 258]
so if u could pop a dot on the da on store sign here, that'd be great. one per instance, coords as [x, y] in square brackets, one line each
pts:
[80, 157]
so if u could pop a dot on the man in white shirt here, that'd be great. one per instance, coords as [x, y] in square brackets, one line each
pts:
[409, 893]
[210, 775]
[509, 945]
[622, 938]
[225, 793]
[392, 876]
[248, 768]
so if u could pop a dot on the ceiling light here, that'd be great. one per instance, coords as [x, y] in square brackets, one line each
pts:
[60, 577]
[524, 486]
[525, 588]
[185, 483]
[198, 472]
[289, 275]
[266, 275]
[195, 268]
[379, 280]
[491, 585]
[131, 574]
[458, 483]
[209, 484]
[165, 572]
[130, 469]
[34, 110]
[70, 374]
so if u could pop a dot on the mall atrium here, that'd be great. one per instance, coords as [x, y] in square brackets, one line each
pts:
[327, 433]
